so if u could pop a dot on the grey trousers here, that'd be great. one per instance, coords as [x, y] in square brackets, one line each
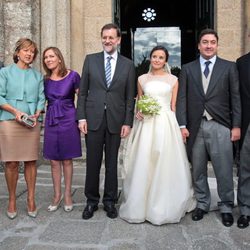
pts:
[213, 142]
[243, 195]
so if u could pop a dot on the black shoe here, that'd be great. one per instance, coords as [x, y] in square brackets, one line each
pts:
[198, 214]
[111, 210]
[88, 211]
[243, 221]
[227, 219]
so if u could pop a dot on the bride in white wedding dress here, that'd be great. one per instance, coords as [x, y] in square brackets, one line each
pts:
[157, 186]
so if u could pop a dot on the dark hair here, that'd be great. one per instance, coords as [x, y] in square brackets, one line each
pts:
[62, 68]
[159, 47]
[24, 43]
[111, 26]
[208, 32]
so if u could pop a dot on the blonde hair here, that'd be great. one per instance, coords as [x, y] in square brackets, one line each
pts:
[24, 43]
[62, 67]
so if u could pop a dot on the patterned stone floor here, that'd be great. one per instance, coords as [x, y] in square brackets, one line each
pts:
[61, 230]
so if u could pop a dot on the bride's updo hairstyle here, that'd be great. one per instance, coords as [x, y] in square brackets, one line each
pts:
[159, 47]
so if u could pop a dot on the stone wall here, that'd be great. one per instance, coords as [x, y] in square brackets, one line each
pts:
[87, 19]
[1, 32]
[230, 28]
[55, 26]
[246, 26]
[18, 19]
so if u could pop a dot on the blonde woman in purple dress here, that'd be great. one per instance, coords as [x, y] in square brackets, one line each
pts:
[62, 140]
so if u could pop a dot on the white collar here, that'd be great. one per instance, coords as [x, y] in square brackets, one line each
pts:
[203, 60]
[114, 55]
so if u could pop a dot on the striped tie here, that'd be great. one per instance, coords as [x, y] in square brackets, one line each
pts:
[108, 71]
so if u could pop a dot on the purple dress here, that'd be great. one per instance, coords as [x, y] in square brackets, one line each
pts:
[62, 139]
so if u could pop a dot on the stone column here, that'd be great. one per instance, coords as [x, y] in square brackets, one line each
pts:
[55, 26]
[87, 18]
[230, 28]
[18, 19]
[48, 23]
[247, 27]
[1, 32]
[35, 29]
[77, 34]
[63, 34]
[17, 23]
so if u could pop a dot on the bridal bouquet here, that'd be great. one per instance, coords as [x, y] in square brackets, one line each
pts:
[148, 105]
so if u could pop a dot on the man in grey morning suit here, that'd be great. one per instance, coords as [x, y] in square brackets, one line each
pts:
[243, 64]
[209, 115]
[105, 111]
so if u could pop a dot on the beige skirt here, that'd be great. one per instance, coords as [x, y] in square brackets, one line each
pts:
[17, 142]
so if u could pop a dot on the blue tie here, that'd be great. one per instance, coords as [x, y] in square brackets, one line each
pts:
[206, 71]
[108, 71]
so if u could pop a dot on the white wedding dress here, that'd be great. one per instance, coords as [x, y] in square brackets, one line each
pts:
[157, 186]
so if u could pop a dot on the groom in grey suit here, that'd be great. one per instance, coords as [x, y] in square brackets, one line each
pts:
[209, 115]
[105, 111]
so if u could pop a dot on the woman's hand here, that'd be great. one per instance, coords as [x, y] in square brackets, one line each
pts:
[139, 116]
[35, 118]
[18, 115]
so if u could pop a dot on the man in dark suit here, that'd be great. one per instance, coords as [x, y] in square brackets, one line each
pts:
[243, 64]
[105, 111]
[209, 115]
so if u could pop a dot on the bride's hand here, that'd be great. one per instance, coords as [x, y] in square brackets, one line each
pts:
[139, 116]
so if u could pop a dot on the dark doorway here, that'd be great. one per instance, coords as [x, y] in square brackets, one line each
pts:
[189, 16]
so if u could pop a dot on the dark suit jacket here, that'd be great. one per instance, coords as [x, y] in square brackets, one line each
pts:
[243, 64]
[222, 100]
[118, 99]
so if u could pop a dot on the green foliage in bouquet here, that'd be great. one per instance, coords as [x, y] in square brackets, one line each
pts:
[148, 105]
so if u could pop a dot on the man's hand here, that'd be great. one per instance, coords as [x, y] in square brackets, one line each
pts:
[185, 134]
[82, 125]
[125, 131]
[235, 134]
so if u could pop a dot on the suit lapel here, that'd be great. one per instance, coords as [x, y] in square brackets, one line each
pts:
[196, 71]
[217, 70]
[100, 67]
[118, 70]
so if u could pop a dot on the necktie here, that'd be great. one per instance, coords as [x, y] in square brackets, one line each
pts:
[108, 71]
[206, 71]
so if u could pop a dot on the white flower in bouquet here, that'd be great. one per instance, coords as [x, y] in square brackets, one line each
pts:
[148, 105]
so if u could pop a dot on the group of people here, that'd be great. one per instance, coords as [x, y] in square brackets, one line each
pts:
[23, 92]
[201, 115]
